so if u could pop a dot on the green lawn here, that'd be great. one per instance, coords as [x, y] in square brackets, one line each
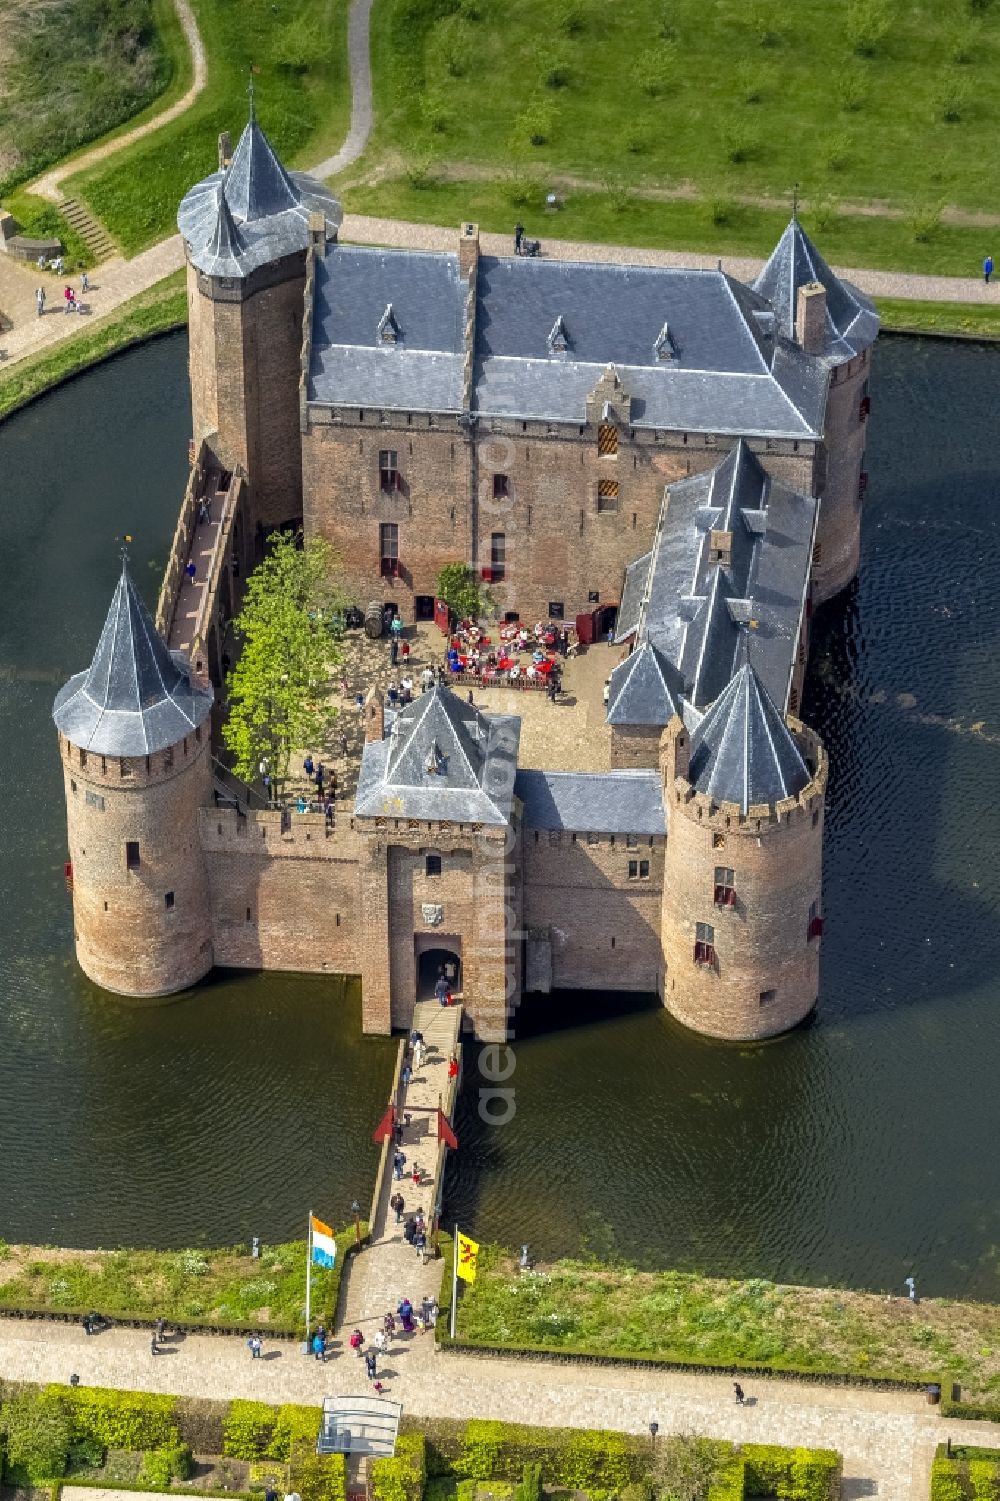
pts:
[728, 95]
[617, 1310]
[299, 52]
[162, 306]
[718, 226]
[226, 1287]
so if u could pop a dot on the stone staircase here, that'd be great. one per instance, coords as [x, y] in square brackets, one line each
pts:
[92, 233]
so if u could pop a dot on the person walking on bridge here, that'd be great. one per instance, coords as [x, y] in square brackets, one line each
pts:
[987, 269]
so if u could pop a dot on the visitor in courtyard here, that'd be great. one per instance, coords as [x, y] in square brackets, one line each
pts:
[911, 1286]
[404, 652]
[154, 1348]
[393, 650]
[319, 1347]
[518, 237]
[739, 1393]
[40, 300]
[418, 1054]
[420, 1243]
[254, 1346]
[161, 1325]
[409, 1229]
[85, 283]
[397, 626]
[308, 767]
[343, 745]
[393, 695]
[397, 1205]
[429, 1310]
[398, 1164]
[453, 1067]
[417, 1175]
[406, 690]
[191, 570]
[389, 1325]
[357, 1341]
[427, 678]
[302, 806]
[987, 269]
[371, 1363]
[406, 1075]
[405, 1311]
[328, 810]
[380, 1341]
[441, 989]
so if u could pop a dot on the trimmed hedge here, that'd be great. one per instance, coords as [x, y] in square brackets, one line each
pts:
[981, 1411]
[119, 1420]
[792, 1474]
[249, 1430]
[318, 1477]
[972, 1476]
[402, 1477]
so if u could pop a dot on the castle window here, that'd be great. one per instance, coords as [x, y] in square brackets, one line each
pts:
[768, 997]
[793, 701]
[631, 842]
[432, 865]
[555, 609]
[388, 471]
[248, 915]
[704, 943]
[607, 440]
[95, 800]
[638, 870]
[83, 758]
[815, 817]
[72, 785]
[197, 733]
[501, 487]
[593, 838]
[131, 854]
[388, 546]
[168, 759]
[718, 841]
[607, 495]
[168, 900]
[125, 767]
[725, 894]
[554, 836]
[815, 929]
[104, 766]
[498, 556]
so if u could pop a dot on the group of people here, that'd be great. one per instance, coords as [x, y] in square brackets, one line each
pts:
[471, 653]
[69, 298]
[409, 1322]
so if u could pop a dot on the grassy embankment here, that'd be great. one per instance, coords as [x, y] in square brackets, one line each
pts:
[78, 71]
[857, 102]
[618, 1311]
[217, 1287]
[161, 307]
[299, 52]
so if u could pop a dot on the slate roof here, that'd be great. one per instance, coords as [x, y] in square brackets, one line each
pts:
[703, 615]
[420, 366]
[442, 759]
[742, 751]
[136, 697]
[645, 689]
[604, 802]
[266, 206]
[851, 320]
[545, 333]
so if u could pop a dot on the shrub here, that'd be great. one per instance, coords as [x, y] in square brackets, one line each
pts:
[249, 1430]
[656, 69]
[751, 81]
[162, 1466]
[964, 44]
[851, 89]
[269, 1474]
[740, 142]
[402, 1477]
[318, 1477]
[534, 124]
[293, 1424]
[721, 210]
[837, 151]
[556, 70]
[946, 1483]
[419, 171]
[924, 222]
[868, 24]
[798, 1474]
[37, 1431]
[119, 1420]
[687, 1468]
[619, 191]
[569, 18]
[201, 1423]
[951, 100]
[530, 1488]
[764, 20]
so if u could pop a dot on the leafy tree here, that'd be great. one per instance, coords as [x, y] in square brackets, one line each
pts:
[462, 592]
[37, 1431]
[686, 1468]
[287, 630]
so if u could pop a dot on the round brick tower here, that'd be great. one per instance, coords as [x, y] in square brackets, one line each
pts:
[831, 319]
[248, 230]
[135, 743]
[742, 903]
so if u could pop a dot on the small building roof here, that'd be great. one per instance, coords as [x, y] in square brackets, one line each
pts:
[359, 1425]
[419, 368]
[592, 802]
[136, 697]
[645, 689]
[851, 320]
[702, 611]
[742, 751]
[443, 759]
[267, 206]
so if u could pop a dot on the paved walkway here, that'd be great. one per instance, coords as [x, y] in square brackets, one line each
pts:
[887, 1439]
[359, 63]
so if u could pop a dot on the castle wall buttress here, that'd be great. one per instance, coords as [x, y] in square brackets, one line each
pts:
[838, 536]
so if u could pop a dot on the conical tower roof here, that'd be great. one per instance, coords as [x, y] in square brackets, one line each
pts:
[136, 698]
[257, 185]
[851, 319]
[644, 689]
[742, 751]
[227, 244]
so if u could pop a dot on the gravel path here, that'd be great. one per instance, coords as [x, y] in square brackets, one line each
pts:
[50, 185]
[359, 61]
[887, 1438]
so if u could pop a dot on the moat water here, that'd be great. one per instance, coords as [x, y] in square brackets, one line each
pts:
[852, 1151]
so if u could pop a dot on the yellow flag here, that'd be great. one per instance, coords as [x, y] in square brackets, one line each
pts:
[468, 1255]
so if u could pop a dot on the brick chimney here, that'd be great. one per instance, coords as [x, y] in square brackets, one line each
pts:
[720, 548]
[468, 250]
[810, 317]
[374, 715]
[225, 149]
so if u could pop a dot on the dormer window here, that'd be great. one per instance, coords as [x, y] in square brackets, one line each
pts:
[388, 330]
[558, 337]
[664, 346]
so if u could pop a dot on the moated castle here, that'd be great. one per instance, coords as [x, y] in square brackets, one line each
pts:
[670, 454]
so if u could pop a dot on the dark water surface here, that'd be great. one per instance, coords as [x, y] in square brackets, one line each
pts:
[859, 1147]
[215, 1117]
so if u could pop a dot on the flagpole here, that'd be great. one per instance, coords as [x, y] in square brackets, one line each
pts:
[454, 1281]
[308, 1271]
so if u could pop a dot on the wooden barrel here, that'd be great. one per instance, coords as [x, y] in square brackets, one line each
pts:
[373, 620]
